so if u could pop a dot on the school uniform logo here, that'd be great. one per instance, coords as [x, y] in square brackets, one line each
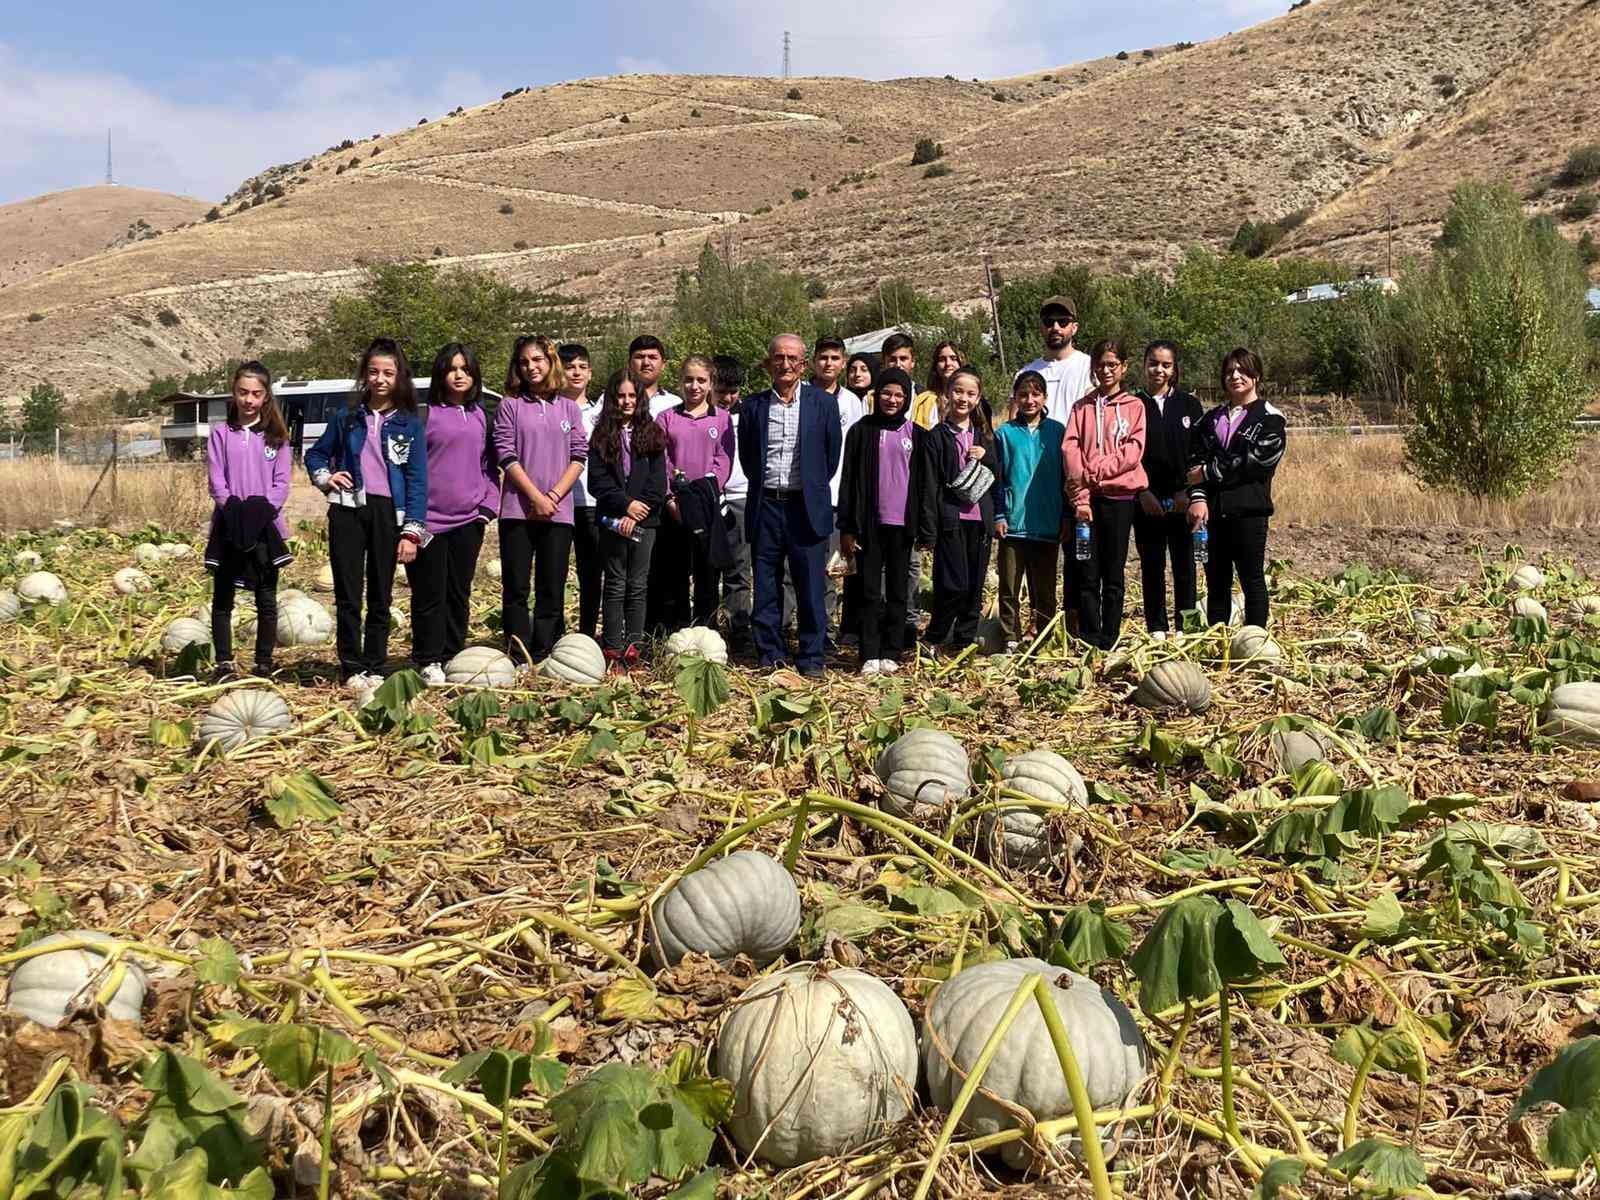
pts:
[566, 426]
[905, 444]
[1186, 420]
[712, 433]
[399, 449]
[270, 453]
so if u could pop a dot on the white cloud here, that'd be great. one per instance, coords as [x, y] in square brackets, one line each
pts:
[53, 122]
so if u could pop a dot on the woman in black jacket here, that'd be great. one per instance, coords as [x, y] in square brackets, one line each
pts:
[628, 482]
[1160, 530]
[1234, 455]
[878, 516]
[959, 534]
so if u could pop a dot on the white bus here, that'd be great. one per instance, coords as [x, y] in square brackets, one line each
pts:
[305, 403]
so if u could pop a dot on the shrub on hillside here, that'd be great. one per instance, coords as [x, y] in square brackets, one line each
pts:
[792, 94]
[1491, 338]
[1580, 207]
[1588, 252]
[926, 151]
[214, 214]
[1122, 56]
[168, 318]
[800, 193]
[1583, 166]
[507, 208]
[937, 171]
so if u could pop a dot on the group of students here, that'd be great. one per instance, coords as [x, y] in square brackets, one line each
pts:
[646, 489]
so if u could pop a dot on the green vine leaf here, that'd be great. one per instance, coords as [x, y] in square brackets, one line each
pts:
[1394, 1168]
[1572, 1082]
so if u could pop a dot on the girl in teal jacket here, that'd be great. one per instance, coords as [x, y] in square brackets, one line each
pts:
[1030, 487]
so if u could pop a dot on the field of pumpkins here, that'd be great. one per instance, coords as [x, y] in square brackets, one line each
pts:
[1307, 912]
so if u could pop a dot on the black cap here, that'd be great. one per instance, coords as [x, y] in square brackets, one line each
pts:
[1063, 303]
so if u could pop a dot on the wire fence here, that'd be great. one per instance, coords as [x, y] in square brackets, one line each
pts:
[95, 445]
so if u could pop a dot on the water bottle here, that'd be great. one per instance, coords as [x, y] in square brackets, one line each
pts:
[1167, 505]
[615, 525]
[1202, 545]
[1081, 542]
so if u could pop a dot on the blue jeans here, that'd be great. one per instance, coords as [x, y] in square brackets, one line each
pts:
[782, 538]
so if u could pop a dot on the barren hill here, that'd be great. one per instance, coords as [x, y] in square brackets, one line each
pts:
[62, 227]
[606, 187]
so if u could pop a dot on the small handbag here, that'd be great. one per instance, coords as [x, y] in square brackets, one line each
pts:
[972, 484]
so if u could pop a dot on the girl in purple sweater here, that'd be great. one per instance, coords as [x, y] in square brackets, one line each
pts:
[540, 446]
[462, 494]
[249, 464]
[700, 446]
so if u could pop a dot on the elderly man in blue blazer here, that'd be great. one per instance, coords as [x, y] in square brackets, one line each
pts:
[789, 446]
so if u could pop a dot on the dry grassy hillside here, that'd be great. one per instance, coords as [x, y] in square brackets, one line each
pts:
[62, 227]
[1517, 130]
[605, 187]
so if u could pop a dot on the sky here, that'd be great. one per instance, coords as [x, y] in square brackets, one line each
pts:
[199, 97]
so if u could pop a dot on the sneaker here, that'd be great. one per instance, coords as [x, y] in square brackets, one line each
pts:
[813, 671]
[888, 666]
[1158, 635]
[362, 682]
[224, 672]
[873, 666]
[1012, 647]
[433, 675]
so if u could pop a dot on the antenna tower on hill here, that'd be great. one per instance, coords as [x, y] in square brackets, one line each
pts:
[109, 180]
[786, 54]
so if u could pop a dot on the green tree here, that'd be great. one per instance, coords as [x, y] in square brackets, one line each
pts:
[44, 410]
[1491, 334]
[737, 309]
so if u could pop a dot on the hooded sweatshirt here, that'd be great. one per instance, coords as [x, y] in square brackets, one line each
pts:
[1104, 449]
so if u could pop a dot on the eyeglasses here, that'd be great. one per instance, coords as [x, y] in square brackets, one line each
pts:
[789, 358]
[1063, 322]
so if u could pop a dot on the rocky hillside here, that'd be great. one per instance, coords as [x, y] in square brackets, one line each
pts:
[63, 227]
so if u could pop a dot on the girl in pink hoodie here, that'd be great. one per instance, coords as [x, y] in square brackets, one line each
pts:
[1104, 452]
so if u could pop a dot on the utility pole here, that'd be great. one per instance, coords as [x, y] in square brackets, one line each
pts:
[110, 181]
[994, 311]
[1389, 274]
[786, 54]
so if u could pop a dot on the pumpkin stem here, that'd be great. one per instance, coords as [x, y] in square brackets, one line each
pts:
[1094, 1159]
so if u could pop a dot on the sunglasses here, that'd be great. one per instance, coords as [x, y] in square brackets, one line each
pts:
[1062, 322]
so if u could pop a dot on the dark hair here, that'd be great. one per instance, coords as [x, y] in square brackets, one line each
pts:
[646, 341]
[898, 341]
[828, 343]
[1171, 348]
[273, 430]
[568, 351]
[404, 398]
[554, 381]
[1247, 361]
[1029, 381]
[727, 373]
[646, 438]
[980, 411]
[1108, 345]
[866, 360]
[437, 391]
[935, 384]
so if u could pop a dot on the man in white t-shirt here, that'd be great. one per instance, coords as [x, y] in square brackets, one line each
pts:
[1065, 368]
[727, 382]
[1066, 379]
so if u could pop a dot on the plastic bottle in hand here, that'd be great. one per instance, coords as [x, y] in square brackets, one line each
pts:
[1080, 542]
[1202, 545]
[615, 525]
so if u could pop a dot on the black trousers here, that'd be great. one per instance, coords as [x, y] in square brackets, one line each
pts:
[1102, 577]
[441, 593]
[591, 562]
[223, 585]
[881, 573]
[1238, 545]
[627, 582]
[533, 553]
[685, 589]
[1158, 539]
[361, 549]
[960, 563]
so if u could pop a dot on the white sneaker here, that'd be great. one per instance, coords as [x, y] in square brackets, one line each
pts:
[888, 666]
[1158, 635]
[873, 666]
[1011, 647]
[433, 675]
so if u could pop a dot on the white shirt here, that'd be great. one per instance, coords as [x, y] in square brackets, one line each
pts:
[851, 410]
[1066, 382]
[661, 401]
[782, 468]
[738, 486]
[580, 490]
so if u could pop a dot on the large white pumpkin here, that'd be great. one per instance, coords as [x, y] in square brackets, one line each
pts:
[1527, 606]
[42, 988]
[10, 606]
[576, 658]
[1174, 684]
[184, 632]
[922, 771]
[288, 595]
[1585, 606]
[41, 587]
[304, 622]
[821, 1062]
[130, 580]
[147, 554]
[1296, 747]
[27, 560]
[1527, 577]
[175, 550]
[1251, 643]
[1572, 714]
[1023, 837]
[492, 568]
[1025, 1073]
[481, 666]
[244, 714]
[699, 641]
[746, 903]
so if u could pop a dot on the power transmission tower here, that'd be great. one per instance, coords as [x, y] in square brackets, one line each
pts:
[786, 54]
[109, 179]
